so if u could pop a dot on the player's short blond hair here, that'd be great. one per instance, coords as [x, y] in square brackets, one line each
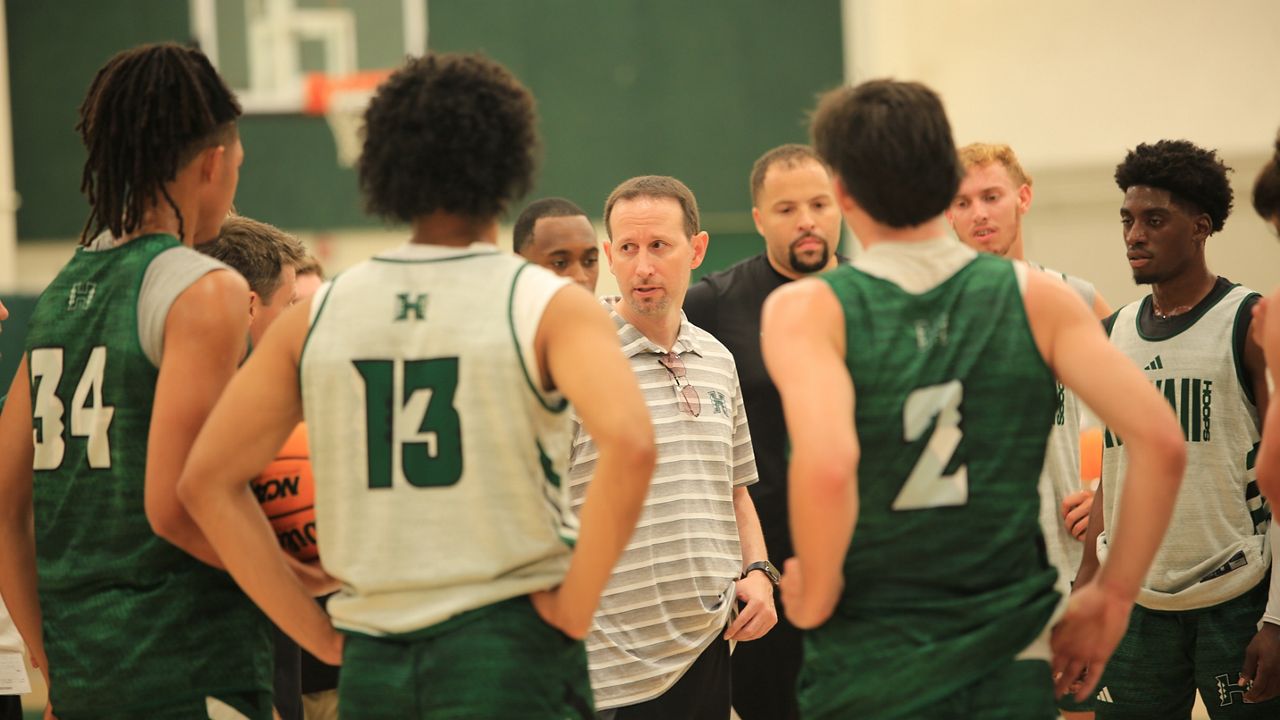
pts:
[977, 154]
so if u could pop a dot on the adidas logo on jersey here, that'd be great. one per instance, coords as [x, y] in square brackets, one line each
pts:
[1104, 695]
[1155, 364]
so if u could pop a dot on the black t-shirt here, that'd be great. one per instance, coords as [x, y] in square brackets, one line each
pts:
[727, 304]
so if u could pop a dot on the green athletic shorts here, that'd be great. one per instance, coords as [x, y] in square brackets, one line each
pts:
[254, 705]
[1166, 656]
[498, 661]
[1019, 690]
[1067, 703]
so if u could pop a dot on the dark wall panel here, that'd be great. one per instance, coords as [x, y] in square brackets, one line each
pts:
[625, 87]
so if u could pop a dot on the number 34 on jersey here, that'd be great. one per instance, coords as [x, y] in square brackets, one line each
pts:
[90, 417]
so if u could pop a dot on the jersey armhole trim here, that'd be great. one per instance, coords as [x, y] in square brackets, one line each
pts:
[311, 326]
[1109, 322]
[1240, 336]
[515, 340]
[1021, 269]
[137, 296]
[137, 318]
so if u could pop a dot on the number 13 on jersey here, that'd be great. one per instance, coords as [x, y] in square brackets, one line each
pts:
[413, 429]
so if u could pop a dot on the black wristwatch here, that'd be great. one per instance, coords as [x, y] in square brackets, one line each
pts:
[765, 567]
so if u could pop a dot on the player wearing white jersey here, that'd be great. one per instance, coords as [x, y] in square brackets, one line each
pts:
[1201, 621]
[986, 214]
[434, 381]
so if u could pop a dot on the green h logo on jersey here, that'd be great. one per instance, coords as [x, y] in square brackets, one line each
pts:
[81, 296]
[415, 304]
[412, 427]
[932, 332]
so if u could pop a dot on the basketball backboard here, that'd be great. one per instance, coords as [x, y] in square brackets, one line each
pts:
[269, 50]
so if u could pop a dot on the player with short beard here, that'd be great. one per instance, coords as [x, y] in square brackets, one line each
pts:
[796, 215]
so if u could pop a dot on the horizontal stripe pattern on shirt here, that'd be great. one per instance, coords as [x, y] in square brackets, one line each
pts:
[672, 590]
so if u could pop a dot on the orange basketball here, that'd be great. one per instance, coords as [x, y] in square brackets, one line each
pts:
[1091, 455]
[287, 494]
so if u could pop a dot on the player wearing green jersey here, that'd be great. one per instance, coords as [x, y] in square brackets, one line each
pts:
[434, 379]
[937, 605]
[128, 349]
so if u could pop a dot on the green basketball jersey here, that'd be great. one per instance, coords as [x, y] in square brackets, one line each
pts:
[130, 621]
[946, 578]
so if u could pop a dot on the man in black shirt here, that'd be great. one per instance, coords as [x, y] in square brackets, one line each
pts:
[795, 212]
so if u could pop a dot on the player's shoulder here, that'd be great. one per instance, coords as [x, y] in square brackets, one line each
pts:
[189, 276]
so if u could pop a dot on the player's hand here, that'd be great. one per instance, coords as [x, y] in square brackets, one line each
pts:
[791, 585]
[551, 608]
[1085, 637]
[1075, 512]
[1261, 674]
[40, 662]
[759, 615]
[313, 577]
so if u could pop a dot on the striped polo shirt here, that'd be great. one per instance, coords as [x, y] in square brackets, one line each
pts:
[673, 588]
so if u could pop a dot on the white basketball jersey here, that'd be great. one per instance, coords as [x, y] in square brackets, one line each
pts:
[1216, 546]
[437, 458]
[1060, 476]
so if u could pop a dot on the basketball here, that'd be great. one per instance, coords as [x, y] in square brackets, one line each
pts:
[286, 492]
[1090, 455]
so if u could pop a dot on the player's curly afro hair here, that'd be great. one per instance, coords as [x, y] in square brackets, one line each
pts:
[1193, 175]
[1266, 189]
[448, 132]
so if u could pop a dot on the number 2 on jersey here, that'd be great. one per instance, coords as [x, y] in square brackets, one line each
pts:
[90, 418]
[926, 486]
[413, 428]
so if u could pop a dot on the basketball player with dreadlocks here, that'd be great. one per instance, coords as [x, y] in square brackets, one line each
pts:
[129, 348]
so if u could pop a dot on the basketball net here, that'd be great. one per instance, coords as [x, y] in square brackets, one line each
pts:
[342, 100]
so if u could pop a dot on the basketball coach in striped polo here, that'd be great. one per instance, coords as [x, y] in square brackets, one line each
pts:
[659, 646]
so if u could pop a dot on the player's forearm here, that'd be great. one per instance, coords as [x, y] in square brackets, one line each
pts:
[176, 526]
[1272, 613]
[1268, 465]
[18, 576]
[615, 497]
[1089, 557]
[824, 510]
[750, 534]
[1149, 492]
[233, 522]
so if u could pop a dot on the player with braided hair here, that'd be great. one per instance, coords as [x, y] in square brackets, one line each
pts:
[129, 348]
